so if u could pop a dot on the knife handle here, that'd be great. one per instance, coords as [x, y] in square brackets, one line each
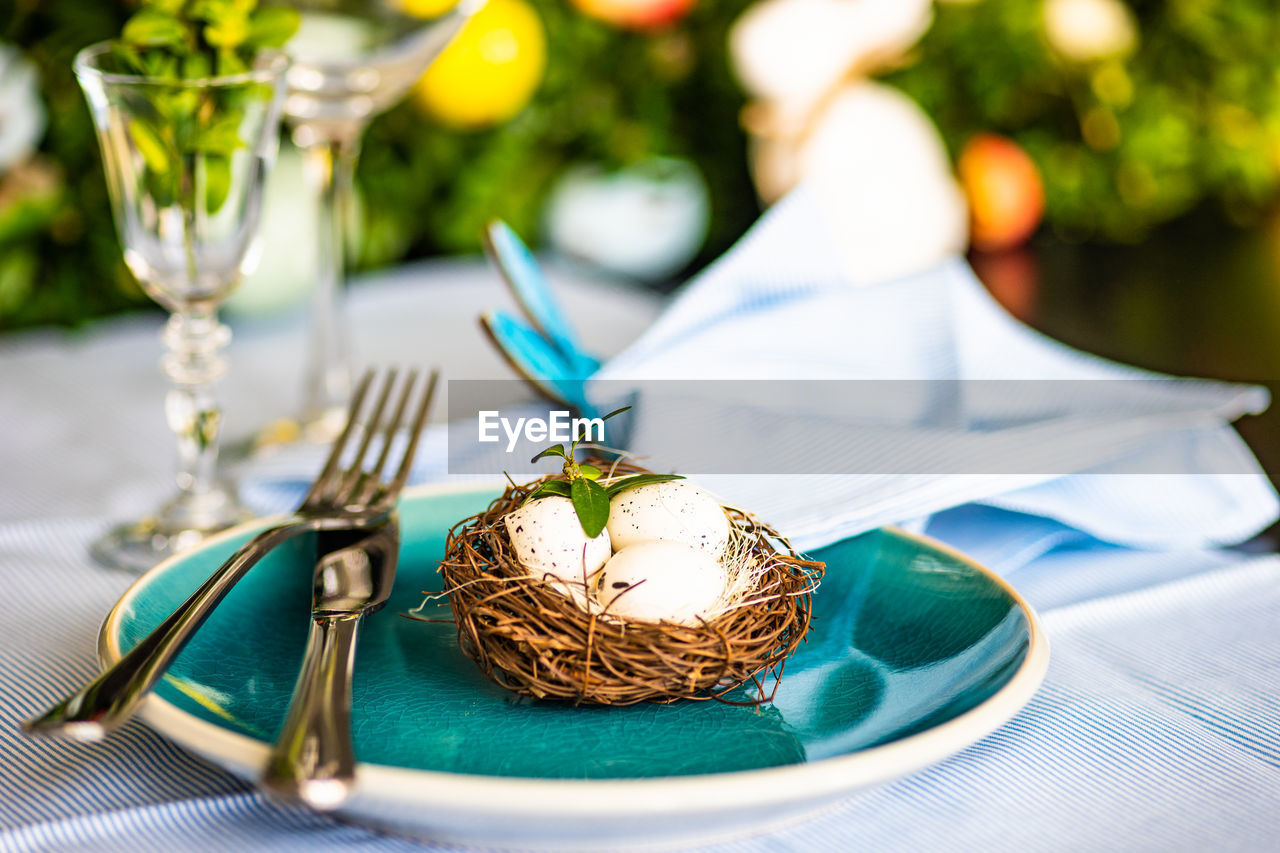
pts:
[313, 760]
[107, 701]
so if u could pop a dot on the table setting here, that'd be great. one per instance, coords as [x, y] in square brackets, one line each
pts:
[1157, 634]
[856, 559]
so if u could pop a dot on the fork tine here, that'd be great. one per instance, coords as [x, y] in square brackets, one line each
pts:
[335, 454]
[415, 432]
[366, 489]
[350, 479]
[394, 426]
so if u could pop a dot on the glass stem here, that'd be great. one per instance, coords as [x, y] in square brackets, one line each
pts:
[330, 166]
[193, 363]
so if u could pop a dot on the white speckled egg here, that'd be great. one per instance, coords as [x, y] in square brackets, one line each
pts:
[548, 540]
[677, 511]
[655, 581]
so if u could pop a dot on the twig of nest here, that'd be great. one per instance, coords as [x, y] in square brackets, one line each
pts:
[532, 636]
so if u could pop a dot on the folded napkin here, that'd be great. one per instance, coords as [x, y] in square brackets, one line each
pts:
[970, 408]
[1154, 462]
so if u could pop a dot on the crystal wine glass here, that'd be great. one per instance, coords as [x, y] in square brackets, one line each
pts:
[352, 60]
[185, 162]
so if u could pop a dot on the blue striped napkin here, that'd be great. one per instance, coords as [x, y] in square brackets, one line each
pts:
[1160, 471]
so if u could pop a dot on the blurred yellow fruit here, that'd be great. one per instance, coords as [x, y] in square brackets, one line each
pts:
[490, 71]
[426, 8]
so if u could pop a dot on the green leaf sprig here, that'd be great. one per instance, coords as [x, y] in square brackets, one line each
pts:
[581, 485]
[193, 39]
[186, 137]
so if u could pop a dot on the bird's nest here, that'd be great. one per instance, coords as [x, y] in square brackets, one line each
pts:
[533, 636]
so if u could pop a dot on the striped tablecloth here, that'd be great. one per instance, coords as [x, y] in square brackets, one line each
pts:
[1158, 726]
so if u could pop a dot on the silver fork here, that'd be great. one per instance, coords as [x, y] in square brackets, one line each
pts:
[341, 498]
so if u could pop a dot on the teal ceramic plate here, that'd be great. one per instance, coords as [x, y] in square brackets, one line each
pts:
[915, 653]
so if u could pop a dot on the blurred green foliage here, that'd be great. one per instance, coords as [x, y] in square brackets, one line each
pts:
[1191, 116]
[609, 96]
[1125, 143]
[59, 259]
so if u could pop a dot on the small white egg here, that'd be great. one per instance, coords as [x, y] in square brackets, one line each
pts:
[676, 511]
[548, 540]
[655, 581]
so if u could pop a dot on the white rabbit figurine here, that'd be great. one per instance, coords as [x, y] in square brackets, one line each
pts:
[874, 158]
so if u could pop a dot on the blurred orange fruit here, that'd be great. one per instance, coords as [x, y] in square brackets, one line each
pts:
[1006, 195]
[490, 71]
[636, 14]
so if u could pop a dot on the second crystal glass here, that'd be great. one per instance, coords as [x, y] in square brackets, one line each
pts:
[185, 162]
[352, 59]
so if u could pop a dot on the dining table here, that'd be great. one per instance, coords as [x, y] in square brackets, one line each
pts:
[1157, 726]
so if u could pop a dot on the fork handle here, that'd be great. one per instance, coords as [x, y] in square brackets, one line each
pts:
[313, 760]
[105, 703]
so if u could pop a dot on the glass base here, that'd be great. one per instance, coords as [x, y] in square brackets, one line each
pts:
[182, 523]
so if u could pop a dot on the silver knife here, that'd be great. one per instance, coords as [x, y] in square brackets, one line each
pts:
[313, 760]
